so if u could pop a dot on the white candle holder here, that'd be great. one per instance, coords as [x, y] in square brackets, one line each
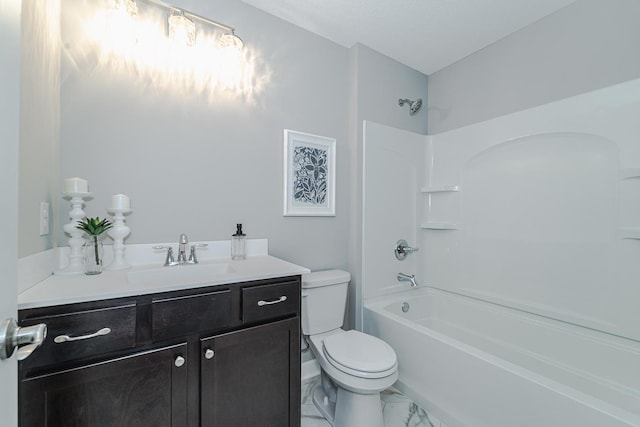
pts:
[118, 233]
[76, 241]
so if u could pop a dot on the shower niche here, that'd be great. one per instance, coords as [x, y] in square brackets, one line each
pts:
[441, 207]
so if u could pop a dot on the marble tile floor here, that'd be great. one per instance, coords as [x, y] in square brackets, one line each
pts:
[398, 410]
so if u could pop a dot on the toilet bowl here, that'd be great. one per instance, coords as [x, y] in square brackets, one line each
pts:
[355, 366]
[348, 357]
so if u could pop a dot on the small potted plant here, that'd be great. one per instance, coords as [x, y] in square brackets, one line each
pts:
[94, 227]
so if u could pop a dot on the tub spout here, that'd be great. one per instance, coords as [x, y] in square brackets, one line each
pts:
[402, 277]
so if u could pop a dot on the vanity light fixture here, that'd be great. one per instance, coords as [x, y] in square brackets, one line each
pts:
[128, 6]
[181, 28]
[172, 47]
[181, 24]
[229, 40]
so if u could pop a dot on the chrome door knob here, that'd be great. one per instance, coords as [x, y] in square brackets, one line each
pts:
[179, 362]
[208, 354]
[27, 338]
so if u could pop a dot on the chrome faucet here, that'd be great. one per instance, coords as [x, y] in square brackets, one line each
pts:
[402, 277]
[183, 242]
[182, 249]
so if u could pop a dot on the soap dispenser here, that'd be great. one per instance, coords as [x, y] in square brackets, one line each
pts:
[238, 244]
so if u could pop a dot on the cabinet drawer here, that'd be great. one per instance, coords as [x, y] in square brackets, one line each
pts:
[80, 334]
[179, 316]
[270, 301]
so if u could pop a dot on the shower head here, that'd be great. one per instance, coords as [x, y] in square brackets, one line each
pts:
[414, 106]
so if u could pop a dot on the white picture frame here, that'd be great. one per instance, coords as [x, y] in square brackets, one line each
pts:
[309, 174]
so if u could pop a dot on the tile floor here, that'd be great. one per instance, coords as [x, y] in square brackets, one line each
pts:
[398, 410]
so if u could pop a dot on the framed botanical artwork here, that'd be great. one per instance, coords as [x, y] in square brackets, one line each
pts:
[309, 175]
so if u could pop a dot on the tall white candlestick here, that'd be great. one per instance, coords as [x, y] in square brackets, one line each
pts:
[120, 201]
[76, 185]
[118, 233]
[76, 257]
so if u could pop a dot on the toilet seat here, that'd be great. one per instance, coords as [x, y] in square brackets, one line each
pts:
[360, 355]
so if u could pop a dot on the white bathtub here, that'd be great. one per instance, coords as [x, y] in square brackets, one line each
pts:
[477, 364]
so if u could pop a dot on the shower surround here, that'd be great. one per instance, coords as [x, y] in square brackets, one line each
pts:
[536, 213]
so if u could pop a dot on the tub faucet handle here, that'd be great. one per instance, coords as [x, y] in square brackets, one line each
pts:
[403, 249]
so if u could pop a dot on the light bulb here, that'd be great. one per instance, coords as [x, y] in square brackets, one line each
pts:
[230, 41]
[182, 29]
[128, 6]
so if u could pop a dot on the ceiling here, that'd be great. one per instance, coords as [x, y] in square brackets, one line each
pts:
[426, 35]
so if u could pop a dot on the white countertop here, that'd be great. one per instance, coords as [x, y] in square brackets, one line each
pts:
[58, 290]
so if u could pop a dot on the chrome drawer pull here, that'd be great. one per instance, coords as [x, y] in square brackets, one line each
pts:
[283, 298]
[64, 338]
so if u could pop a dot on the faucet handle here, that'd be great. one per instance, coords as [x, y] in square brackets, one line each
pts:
[403, 249]
[192, 253]
[183, 239]
[170, 260]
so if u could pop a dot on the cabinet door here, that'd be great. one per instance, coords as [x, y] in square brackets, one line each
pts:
[144, 389]
[252, 377]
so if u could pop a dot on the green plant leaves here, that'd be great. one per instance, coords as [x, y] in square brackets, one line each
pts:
[94, 226]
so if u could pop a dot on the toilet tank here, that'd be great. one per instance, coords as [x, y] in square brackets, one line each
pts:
[324, 299]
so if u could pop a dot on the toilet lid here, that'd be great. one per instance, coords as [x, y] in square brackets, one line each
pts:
[359, 352]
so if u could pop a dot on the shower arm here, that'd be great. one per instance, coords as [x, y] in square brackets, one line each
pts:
[414, 106]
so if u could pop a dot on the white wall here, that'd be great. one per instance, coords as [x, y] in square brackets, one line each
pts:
[588, 45]
[198, 167]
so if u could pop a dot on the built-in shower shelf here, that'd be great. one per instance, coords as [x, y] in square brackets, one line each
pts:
[441, 189]
[630, 233]
[628, 173]
[437, 225]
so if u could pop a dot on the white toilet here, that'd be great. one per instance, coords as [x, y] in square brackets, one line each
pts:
[356, 367]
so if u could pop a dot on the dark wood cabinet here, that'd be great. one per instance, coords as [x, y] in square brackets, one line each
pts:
[218, 356]
[143, 389]
[246, 377]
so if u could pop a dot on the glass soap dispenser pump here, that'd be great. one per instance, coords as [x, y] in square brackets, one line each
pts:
[238, 244]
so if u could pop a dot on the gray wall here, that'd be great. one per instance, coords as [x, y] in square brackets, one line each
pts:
[587, 45]
[39, 122]
[195, 167]
[198, 167]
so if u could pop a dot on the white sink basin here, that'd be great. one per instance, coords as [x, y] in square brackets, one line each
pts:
[179, 274]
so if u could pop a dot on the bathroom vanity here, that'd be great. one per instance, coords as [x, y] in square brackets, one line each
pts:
[222, 354]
